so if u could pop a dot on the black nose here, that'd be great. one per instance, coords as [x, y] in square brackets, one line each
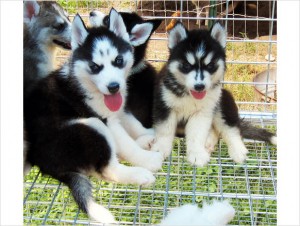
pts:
[92, 13]
[113, 87]
[199, 87]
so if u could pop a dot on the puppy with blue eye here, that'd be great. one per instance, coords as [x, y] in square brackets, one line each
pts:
[189, 98]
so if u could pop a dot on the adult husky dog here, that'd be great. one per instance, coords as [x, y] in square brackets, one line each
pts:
[46, 27]
[72, 116]
[189, 95]
[141, 80]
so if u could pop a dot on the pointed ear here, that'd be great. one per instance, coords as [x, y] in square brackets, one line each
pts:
[79, 32]
[116, 25]
[140, 33]
[176, 35]
[218, 32]
[31, 10]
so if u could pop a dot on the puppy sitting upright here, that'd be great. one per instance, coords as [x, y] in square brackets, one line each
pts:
[72, 115]
[189, 95]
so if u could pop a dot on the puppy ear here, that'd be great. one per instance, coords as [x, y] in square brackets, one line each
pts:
[116, 25]
[218, 32]
[176, 35]
[79, 32]
[31, 10]
[140, 33]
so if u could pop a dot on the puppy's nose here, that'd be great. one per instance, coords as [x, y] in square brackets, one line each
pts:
[92, 13]
[199, 87]
[113, 87]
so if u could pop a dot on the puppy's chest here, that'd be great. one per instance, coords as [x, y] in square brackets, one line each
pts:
[187, 106]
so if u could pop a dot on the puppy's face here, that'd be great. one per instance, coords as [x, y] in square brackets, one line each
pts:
[197, 59]
[102, 58]
[49, 23]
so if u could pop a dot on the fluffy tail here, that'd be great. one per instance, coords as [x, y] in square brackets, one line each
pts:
[82, 192]
[249, 131]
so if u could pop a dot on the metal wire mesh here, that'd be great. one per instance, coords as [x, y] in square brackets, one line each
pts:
[251, 187]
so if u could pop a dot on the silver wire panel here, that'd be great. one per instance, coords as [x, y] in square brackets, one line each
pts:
[250, 187]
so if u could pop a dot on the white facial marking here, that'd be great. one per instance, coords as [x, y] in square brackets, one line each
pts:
[190, 58]
[208, 58]
[201, 51]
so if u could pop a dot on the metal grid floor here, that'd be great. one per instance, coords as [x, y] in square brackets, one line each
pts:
[250, 187]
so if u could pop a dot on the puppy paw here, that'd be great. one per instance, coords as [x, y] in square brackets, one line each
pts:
[239, 155]
[142, 177]
[198, 158]
[99, 213]
[153, 161]
[146, 141]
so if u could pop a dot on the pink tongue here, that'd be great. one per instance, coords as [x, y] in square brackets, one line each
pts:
[113, 102]
[198, 95]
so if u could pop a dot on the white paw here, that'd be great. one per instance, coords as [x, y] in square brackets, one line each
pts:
[141, 176]
[163, 148]
[211, 143]
[146, 141]
[99, 213]
[239, 155]
[153, 161]
[198, 158]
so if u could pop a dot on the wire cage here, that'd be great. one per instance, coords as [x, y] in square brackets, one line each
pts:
[251, 187]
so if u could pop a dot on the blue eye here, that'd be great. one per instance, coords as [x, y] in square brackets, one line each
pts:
[119, 61]
[95, 68]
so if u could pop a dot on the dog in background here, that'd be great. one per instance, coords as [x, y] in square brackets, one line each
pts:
[189, 95]
[218, 213]
[140, 83]
[72, 116]
[46, 27]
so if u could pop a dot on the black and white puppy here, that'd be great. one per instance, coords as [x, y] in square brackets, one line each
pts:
[141, 80]
[46, 28]
[73, 116]
[189, 95]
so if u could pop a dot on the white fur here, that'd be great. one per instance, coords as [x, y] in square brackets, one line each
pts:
[232, 137]
[218, 213]
[129, 150]
[274, 140]
[140, 33]
[219, 33]
[97, 19]
[79, 32]
[177, 34]
[190, 58]
[99, 213]
[116, 25]
[212, 140]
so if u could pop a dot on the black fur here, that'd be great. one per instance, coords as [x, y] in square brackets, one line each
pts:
[229, 109]
[140, 85]
[59, 148]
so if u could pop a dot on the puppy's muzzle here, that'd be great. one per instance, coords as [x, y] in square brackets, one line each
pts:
[113, 87]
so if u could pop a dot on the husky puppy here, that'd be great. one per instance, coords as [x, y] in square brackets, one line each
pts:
[189, 95]
[72, 115]
[46, 27]
[140, 83]
[217, 213]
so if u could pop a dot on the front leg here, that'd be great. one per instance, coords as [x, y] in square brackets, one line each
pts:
[144, 137]
[197, 129]
[128, 149]
[165, 133]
